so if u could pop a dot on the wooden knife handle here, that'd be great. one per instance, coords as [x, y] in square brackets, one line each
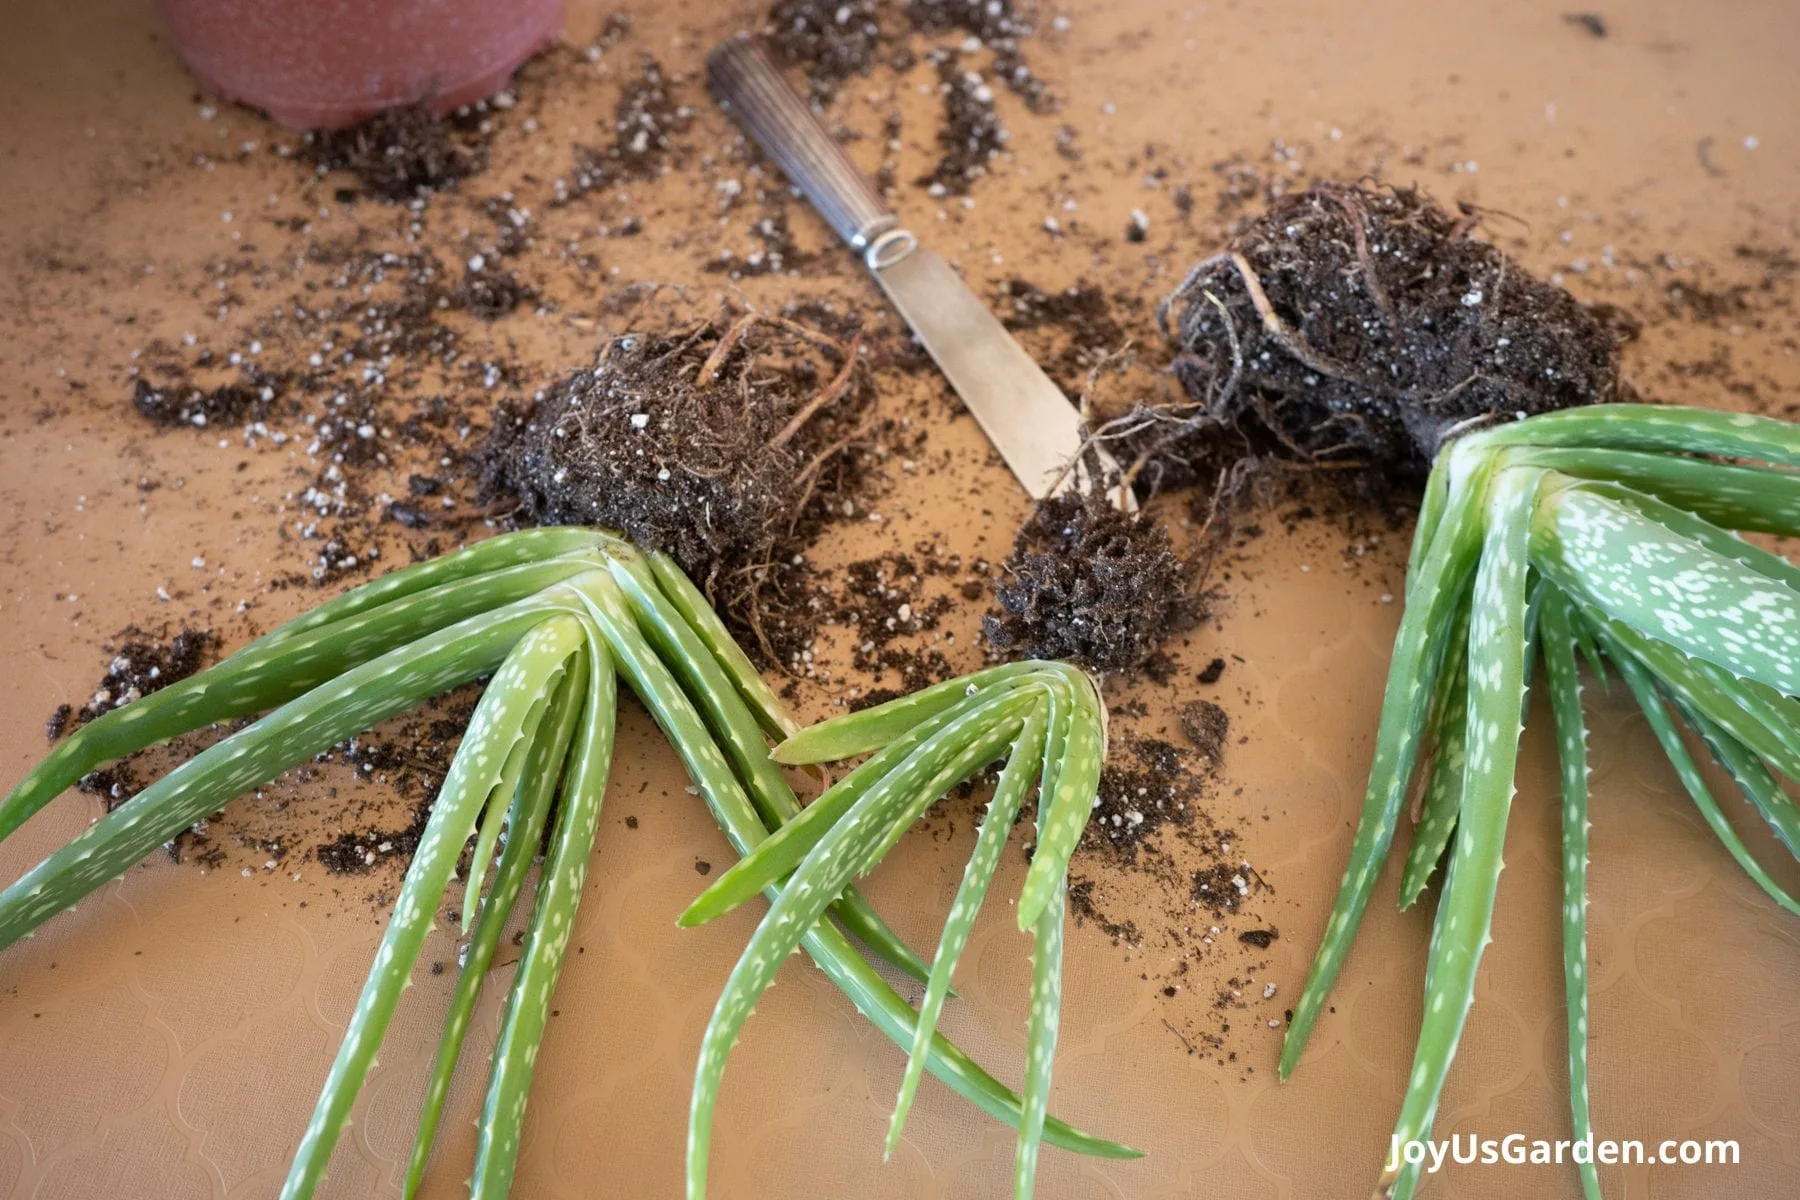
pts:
[777, 117]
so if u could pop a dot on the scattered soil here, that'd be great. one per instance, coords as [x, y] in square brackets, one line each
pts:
[972, 47]
[1167, 883]
[885, 600]
[727, 444]
[141, 663]
[971, 134]
[400, 153]
[1088, 583]
[1353, 327]
[1073, 332]
[830, 40]
[183, 404]
[645, 124]
[1147, 784]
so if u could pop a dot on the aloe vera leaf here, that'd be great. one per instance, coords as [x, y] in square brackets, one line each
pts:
[724, 703]
[546, 945]
[303, 727]
[496, 553]
[1049, 687]
[500, 808]
[774, 858]
[1496, 692]
[1643, 687]
[521, 683]
[691, 602]
[1571, 742]
[1444, 783]
[1656, 427]
[258, 677]
[1045, 1011]
[1023, 760]
[529, 814]
[1440, 587]
[858, 733]
[1756, 498]
[1719, 540]
[1443, 793]
[1753, 778]
[913, 786]
[1065, 809]
[872, 995]
[1670, 587]
[883, 1007]
[1769, 724]
[1434, 502]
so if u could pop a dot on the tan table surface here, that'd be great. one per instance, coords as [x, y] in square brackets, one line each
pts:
[169, 1037]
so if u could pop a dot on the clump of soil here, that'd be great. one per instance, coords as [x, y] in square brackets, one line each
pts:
[141, 663]
[180, 403]
[399, 153]
[727, 444]
[1360, 327]
[1206, 726]
[971, 134]
[1088, 583]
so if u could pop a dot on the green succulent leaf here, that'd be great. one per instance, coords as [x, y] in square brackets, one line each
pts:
[1438, 589]
[1631, 517]
[1002, 811]
[520, 685]
[1497, 676]
[1669, 587]
[1643, 687]
[1571, 742]
[546, 944]
[525, 824]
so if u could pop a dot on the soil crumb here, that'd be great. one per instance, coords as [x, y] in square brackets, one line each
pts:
[399, 153]
[1088, 583]
[1360, 327]
[1206, 725]
[727, 444]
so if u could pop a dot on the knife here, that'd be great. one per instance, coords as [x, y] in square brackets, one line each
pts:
[1026, 416]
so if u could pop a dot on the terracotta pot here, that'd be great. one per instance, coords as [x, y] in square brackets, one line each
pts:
[323, 64]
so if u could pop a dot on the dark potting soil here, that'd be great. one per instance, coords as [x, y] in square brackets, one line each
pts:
[974, 48]
[646, 121]
[1169, 884]
[181, 403]
[400, 152]
[1071, 332]
[971, 135]
[1360, 327]
[1206, 726]
[1088, 583]
[141, 663]
[727, 444]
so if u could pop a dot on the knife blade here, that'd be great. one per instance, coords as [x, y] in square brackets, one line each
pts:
[1022, 411]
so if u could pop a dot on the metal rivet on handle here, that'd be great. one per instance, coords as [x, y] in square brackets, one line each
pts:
[889, 248]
